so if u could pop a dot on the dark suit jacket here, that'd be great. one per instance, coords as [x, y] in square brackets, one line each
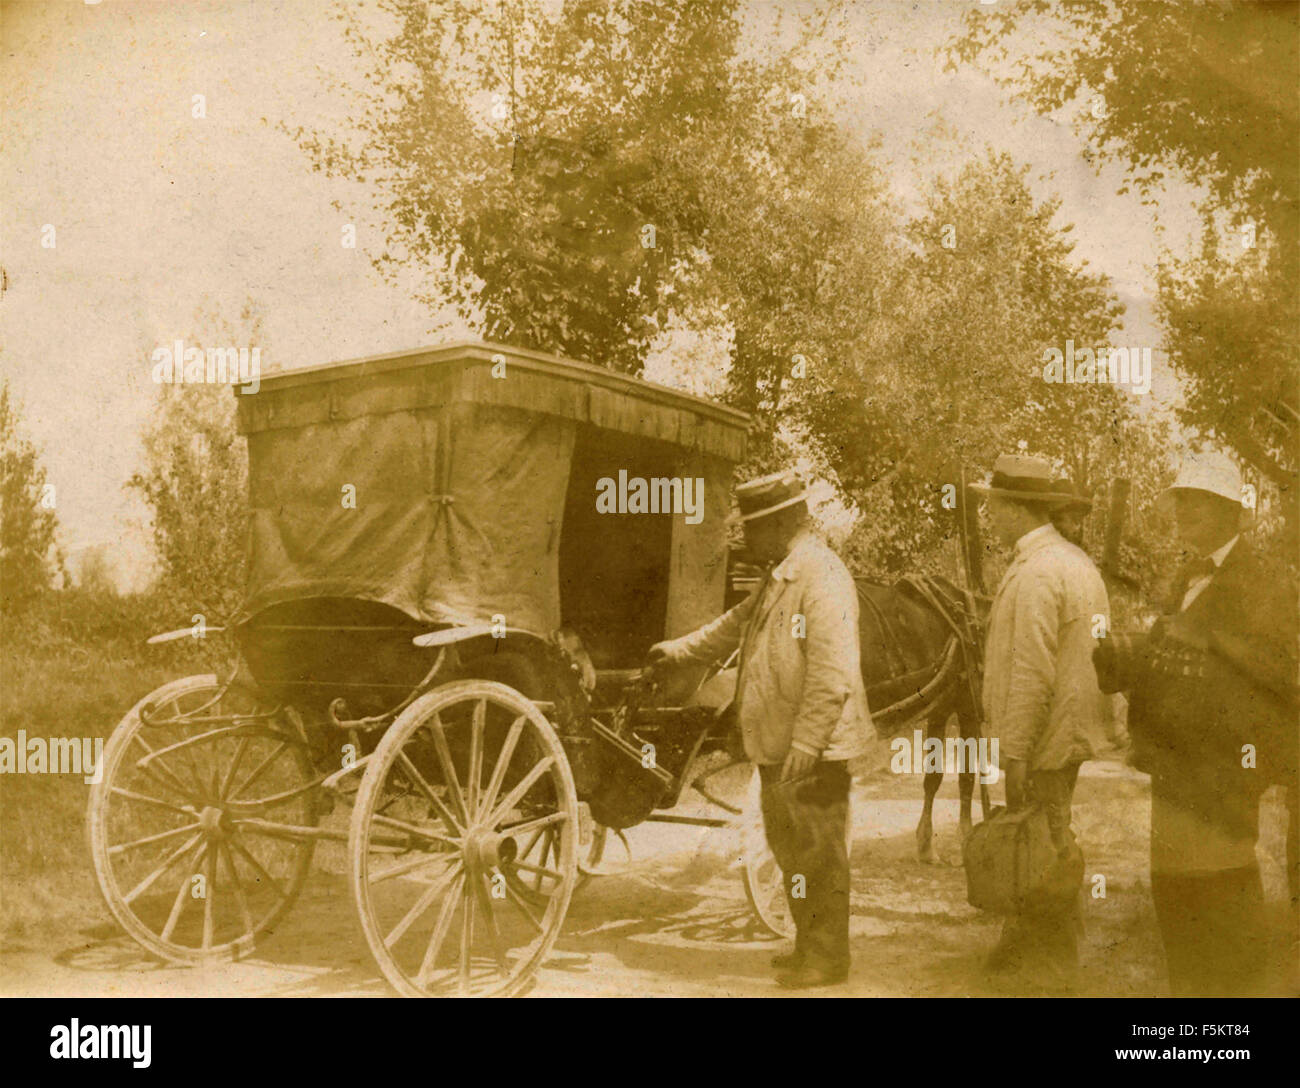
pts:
[1213, 679]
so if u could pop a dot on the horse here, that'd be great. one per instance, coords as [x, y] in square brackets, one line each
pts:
[922, 655]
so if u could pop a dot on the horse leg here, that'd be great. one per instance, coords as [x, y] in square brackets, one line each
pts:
[968, 726]
[933, 780]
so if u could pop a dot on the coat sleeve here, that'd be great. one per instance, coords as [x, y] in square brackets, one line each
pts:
[1034, 642]
[833, 663]
[716, 640]
[1262, 641]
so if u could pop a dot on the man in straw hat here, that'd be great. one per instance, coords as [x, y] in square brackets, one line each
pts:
[1213, 714]
[802, 712]
[1041, 698]
[1068, 517]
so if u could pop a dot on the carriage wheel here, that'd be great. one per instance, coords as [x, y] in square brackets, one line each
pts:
[187, 825]
[763, 879]
[449, 822]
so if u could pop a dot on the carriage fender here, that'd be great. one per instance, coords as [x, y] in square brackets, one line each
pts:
[716, 692]
[452, 635]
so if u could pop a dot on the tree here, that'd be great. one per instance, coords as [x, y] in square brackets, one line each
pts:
[552, 164]
[29, 556]
[1207, 89]
[195, 482]
[952, 371]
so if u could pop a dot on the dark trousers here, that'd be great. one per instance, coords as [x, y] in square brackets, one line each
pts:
[1044, 948]
[806, 825]
[1212, 925]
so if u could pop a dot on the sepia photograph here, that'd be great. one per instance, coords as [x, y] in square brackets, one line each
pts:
[650, 498]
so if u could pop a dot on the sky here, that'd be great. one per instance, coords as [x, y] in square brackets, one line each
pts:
[158, 214]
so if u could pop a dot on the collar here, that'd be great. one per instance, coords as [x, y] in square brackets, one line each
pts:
[1035, 539]
[788, 568]
[1220, 554]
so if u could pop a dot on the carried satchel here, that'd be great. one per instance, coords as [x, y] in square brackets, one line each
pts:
[1014, 867]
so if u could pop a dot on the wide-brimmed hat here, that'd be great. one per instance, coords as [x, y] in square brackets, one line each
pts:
[1210, 471]
[1026, 479]
[768, 494]
[1080, 501]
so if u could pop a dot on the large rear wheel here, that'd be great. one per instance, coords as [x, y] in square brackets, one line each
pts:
[463, 847]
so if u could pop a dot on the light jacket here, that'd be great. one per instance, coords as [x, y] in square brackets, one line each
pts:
[799, 682]
[1041, 698]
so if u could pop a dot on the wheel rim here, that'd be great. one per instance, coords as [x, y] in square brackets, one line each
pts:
[764, 881]
[186, 823]
[463, 843]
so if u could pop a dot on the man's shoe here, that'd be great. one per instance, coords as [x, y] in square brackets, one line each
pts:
[787, 959]
[805, 976]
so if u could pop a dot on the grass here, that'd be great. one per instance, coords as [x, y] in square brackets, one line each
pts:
[71, 665]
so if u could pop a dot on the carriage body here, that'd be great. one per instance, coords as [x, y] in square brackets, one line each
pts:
[442, 626]
[454, 492]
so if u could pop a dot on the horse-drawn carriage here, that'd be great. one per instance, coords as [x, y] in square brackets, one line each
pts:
[442, 627]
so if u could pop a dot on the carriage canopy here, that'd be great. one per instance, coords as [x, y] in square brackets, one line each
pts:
[461, 483]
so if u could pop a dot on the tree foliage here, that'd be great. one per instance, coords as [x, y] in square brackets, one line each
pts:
[29, 556]
[1207, 90]
[195, 482]
[554, 164]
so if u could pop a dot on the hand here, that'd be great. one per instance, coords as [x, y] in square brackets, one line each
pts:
[657, 659]
[1017, 774]
[796, 765]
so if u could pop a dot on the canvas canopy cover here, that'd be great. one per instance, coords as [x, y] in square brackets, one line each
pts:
[449, 482]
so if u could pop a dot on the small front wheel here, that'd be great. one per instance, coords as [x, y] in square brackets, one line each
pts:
[200, 825]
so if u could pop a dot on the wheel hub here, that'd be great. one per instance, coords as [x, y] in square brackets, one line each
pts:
[488, 849]
[212, 820]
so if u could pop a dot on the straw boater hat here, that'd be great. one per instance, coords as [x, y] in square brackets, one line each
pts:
[1213, 472]
[768, 494]
[1026, 479]
[1081, 501]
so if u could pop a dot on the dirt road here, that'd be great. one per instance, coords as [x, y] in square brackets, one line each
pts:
[674, 920]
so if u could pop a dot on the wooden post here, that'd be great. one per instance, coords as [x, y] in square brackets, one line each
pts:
[968, 530]
[1119, 492]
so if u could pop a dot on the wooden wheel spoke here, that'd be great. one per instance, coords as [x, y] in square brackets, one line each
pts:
[535, 824]
[466, 937]
[260, 769]
[420, 906]
[521, 787]
[404, 867]
[448, 768]
[223, 787]
[503, 761]
[412, 829]
[161, 836]
[168, 862]
[146, 799]
[240, 898]
[182, 893]
[448, 818]
[160, 773]
[440, 927]
[518, 901]
[248, 856]
[209, 897]
[489, 919]
[477, 721]
[539, 869]
[532, 841]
